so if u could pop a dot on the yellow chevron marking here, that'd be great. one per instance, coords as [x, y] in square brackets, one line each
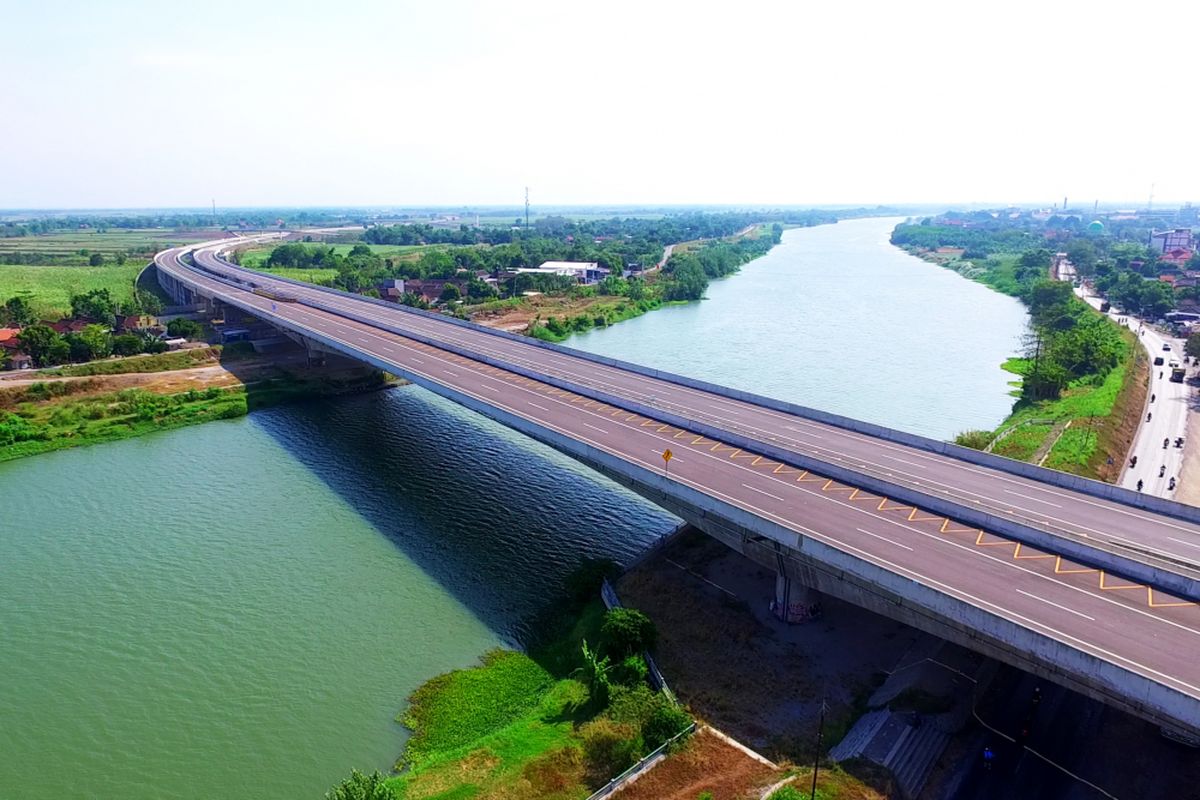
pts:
[717, 447]
[981, 543]
[1104, 575]
[836, 487]
[805, 478]
[650, 422]
[1077, 571]
[1017, 553]
[1154, 604]
[700, 440]
[912, 517]
[946, 525]
[783, 469]
[740, 454]
[884, 502]
[682, 433]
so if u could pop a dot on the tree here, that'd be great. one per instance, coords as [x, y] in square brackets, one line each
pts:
[17, 312]
[362, 787]
[96, 340]
[95, 260]
[450, 293]
[95, 305]
[627, 631]
[44, 345]
[187, 328]
[1192, 346]
[126, 344]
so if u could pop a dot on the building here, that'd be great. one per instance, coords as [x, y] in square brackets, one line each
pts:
[1163, 243]
[20, 361]
[133, 323]
[65, 326]
[392, 289]
[430, 289]
[585, 272]
[8, 338]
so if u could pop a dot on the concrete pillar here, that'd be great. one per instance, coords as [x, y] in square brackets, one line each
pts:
[794, 602]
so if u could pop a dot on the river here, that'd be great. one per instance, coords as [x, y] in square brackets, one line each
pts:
[239, 609]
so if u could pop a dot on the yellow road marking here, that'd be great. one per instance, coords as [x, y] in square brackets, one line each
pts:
[914, 518]
[884, 502]
[1175, 604]
[783, 469]
[1017, 553]
[956, 530]
[1103, 575]
[1079, 570]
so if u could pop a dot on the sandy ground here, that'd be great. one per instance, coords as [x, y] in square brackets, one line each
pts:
[517, 319]
[706, 764]
[737, 667]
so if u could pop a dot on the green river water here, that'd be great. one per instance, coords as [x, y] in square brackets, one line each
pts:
[240, 609]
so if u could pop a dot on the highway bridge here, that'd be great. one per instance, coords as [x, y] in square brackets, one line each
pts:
[1088, 585]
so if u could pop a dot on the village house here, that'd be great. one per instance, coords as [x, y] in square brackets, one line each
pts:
[585, 272]
[134, 323]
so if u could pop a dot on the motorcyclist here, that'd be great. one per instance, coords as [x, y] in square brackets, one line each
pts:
[1162, 470]
[1140, 484]
[1149, 416]
[1171, 485]
[1166, 442]
[1152, 398]
[1133, 462]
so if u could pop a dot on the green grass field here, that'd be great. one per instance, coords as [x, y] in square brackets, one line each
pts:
[256, 257]
[65, 245]
[50, 288]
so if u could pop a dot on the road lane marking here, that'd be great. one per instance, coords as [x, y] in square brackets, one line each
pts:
[451, 374]
[886, 539]
[1181, 541]
[535, 405]
[903, 461]
[1034, 499]
[760, 491]
[593, 427]
[1056, 605]
[490, 387]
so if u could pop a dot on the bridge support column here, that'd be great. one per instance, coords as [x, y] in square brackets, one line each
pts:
[794, 602]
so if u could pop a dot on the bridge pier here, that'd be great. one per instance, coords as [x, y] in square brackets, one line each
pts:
[794, 601]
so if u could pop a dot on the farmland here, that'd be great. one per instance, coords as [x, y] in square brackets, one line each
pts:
[50, 288]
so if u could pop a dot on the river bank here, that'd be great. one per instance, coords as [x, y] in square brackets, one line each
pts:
[117, 399]
[1089, 427]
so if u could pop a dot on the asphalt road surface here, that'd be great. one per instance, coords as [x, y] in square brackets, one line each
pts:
[1142, 631]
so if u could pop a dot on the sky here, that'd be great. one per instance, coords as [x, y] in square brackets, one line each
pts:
[131, 104]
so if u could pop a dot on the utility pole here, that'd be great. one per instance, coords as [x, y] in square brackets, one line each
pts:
[527, 209]
[214, 208]
[817, 755]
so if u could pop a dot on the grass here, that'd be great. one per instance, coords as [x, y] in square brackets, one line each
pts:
[51, 287]
[456, 708]
[1098, 409]
[161, 362]
[256, 257]
[41, 427]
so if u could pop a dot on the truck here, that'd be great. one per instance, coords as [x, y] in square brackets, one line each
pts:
[1177, 372]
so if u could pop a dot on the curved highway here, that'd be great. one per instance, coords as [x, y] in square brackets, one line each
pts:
[1138, 629]
[1023, 500]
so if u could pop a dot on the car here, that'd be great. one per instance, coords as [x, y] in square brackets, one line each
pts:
[1158, 361]
[1172, 363]
[1166, 347]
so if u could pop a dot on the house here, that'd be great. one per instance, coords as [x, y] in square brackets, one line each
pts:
[8, 338]
[175, 344]
[430, 289]
[132, 323]
[20, 361]
[1178, 256]
[65, 326]
[392, 289]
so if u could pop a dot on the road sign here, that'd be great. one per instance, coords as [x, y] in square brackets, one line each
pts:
[668, 455]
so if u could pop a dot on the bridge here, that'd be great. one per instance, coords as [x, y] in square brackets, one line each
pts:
[1088, 585]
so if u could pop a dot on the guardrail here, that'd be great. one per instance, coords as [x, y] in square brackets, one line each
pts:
[641, 766]
[1176, 577]
[609, 595]
[1064, 480]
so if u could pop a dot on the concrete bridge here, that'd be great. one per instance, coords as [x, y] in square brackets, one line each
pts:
[1085, 584]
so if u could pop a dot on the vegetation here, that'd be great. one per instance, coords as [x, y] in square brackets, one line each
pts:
[48, 290]
[362, 787]
[1077, 369]
[553, 724]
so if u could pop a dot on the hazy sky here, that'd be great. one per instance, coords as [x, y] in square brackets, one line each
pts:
[128, 103]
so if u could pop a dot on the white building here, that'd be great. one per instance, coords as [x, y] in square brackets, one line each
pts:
[586, 272]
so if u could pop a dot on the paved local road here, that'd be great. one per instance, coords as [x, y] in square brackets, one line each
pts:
[1138, 629]
[1168, 412]
[1023, 500]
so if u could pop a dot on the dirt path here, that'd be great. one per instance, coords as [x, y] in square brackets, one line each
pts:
[706, 764]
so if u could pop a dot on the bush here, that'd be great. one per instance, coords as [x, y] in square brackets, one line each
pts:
[976, 440]
[632, 671]
[788, 792]
[665, 722]
[126, 344]
[583, 584]
[627, 631]
[362, 787]
[187, 328]
[609, 748]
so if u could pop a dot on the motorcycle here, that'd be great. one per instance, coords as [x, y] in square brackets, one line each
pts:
[1171, 485]
[1179, 442]
[1166, 442]
[1133, 462]
[1140, 484]
[1162, 470]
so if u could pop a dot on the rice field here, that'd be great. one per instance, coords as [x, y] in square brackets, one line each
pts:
[50, 288]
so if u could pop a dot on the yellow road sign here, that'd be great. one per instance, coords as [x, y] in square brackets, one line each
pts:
[668, 455]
